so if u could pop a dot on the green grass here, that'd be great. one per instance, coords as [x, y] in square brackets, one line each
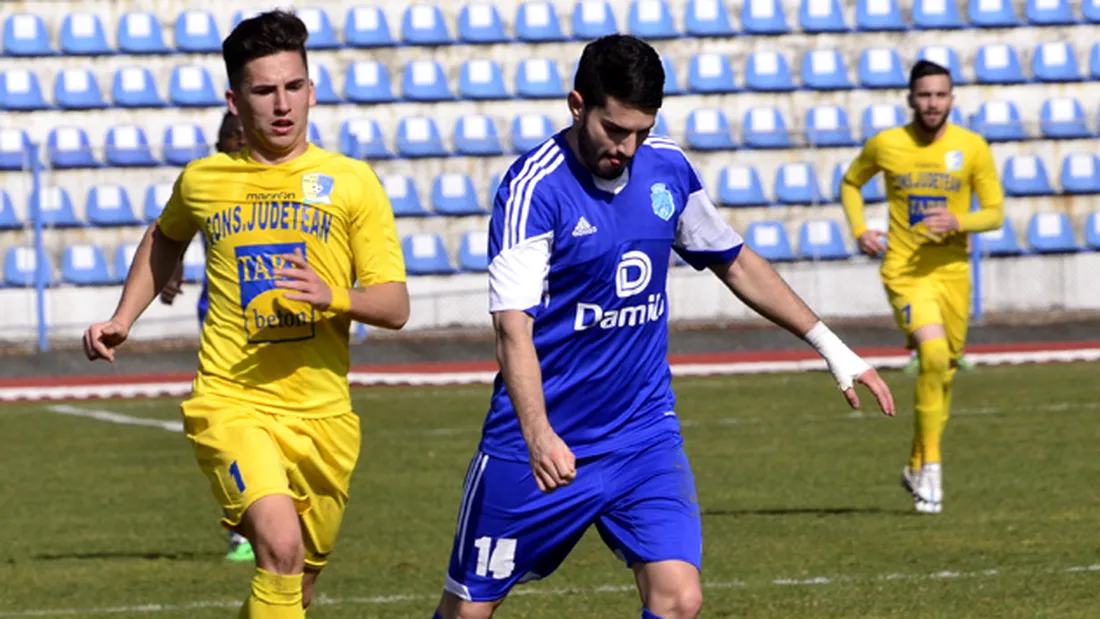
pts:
[802, 513]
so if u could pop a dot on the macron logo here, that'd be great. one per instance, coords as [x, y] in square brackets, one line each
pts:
[584, 228]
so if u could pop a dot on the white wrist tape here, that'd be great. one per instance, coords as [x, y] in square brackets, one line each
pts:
[845, 365]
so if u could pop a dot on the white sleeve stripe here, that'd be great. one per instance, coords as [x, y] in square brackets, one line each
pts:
[531, 190]
[517, 189]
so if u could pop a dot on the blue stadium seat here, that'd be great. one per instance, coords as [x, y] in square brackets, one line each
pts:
[936, 15]
[1025, 175]
[1050, 13]
[494, 186]
[55, 208]
[403, 196]
[660, 127]
[19, 90]
[796, 183]
[313, 135]
[537, 22]
[473, 252]
[77, 89]
[424, 80]
[881, 68]
[82, 34]
[183, 143]
[530, 130]
[947, 58]
[84, 265]
[672, 84]
[1001, 242]
[135, 87]
[25, 35]
[763, 17]
[321, 33]
[827, 125]
[191, 86]
[820, 239]
[955, 117]
[764, 127]
[123, 257]
[708, 129]
[1091, 11]
[194, 263]
[1080, 173]
[453, 195]
[1063, 118]
[998, 63]
[768, 71]
[128, 147]
[476, 135]
[1055, 62]
[156, 196]
[999, 121]
[480, 22]
[13, 146]
[739, 185]
[22, 267]
[140, 33]
[367, 81]
[710, 73]
[426, 255]
[538, 78]
[1051, 233]
[872, 192]
[197, 32]
[879, 15]
[322, 85]
[481, 79]
[9, 220]
[770, 240]
[69, 147]
[818, 16]
[651, 19]
[824, 69]
[880, 116]
[1092, 231]
[593, 19]
[992, 14]
[423, 24]
[366, 26]
[109, 205]
[707, 18]
[362, 138]
[419, 137]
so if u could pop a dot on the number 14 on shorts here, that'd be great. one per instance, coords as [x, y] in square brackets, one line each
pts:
[497, 558]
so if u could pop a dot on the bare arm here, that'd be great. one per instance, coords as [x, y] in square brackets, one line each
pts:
[154, 264]
[383, 305]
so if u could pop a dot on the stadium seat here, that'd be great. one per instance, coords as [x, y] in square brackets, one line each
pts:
[936, 15]
[84, 265]
[424, 80]
[880, 116]
[708, 129]
[1025, 175]
[476, 135]
[763, 17]
[140, 33]
[135, 87]
[660, 127]
[1080, 173]
[69, 147]
[426, 255]
[1001, 242]
[955, 117]
[879, 15]
[768, 71]
[197, 33]
[1051, 233]
[123, 258]
[194, 263]
[796, 183]
[707, 18]
[55, 209]
[321, 33]
[109, 205]
[651, 19]
[881, 68]
[423, 24]
[739, 185]
[473, 252]
[77, 89]
[999, 121]
[9, 220]
[183, 143]
[530, 130]
[992, 14]
[403, 196]
[25, 35]
[827, 125]
[82, 34]
[537, 22]
[593, 19]
[128, 147]
[764, 127]
[947, 58]
[770, 240]
[22, 267]
[191, 86]
[710, 73]
[494, 185]
[20, 91]
[480, 22]
[1091, 11]
[819, 16]
[998, 63]
[367, 81]
[1092, 231]
[820, 239]
[672, 84]
[1055, 62]
[366, 26]
[1050, 13]
[453, 195]
[362, 139]
[13, 146]
[538, 78]
[872, 192]
[322, 85]
[313, 135]
[156, 196]
[418, 136]
[1063, 118]
[824, 69]
[481, 79]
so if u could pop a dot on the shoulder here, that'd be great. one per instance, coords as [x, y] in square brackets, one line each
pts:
[663, 150]
[211, 165]
[339, 165]
[965, 137]
[541, 169]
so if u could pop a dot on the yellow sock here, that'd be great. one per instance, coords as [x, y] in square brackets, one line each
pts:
[931, 410]
[917, 454]
[274, 596]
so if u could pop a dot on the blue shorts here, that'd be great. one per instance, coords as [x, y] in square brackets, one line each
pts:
[643, 503]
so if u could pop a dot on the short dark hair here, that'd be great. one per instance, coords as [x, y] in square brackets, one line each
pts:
[924, 68]
[264, 35]
[623, 67]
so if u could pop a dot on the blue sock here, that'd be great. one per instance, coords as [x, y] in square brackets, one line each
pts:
[648, 614]
[437, 615]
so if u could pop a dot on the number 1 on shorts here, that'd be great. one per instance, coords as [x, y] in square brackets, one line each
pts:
[501, 560]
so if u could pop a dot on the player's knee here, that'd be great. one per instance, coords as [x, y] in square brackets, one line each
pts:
[281, 552]
[683, 603]
[452, 607]
[934, 356]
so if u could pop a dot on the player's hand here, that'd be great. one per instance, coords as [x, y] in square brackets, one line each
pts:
[940, 221]
[173, 288]
[878, 388]
[873, 243]
[304, 281]
[102, 338]
[552, 463]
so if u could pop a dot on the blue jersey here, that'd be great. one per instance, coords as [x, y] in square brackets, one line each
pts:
[588, 259]
[204, 296]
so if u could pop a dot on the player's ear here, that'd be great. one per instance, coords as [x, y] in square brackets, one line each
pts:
[576, 105]
[312, 94]
[231, 102]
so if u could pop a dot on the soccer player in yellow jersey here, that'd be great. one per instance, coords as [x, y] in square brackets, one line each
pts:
[290, 229]
[931, 168]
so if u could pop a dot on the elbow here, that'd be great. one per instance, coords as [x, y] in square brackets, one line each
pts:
[397, 317]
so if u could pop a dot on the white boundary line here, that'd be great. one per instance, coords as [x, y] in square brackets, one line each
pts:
[108, 416]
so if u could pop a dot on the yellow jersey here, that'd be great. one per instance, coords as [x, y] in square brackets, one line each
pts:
[258, 348]
[920, 177]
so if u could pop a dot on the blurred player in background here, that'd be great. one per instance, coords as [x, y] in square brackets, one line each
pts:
[290, 228]
[582, 427]
[931, 168]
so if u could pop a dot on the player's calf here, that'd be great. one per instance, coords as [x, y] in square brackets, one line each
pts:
[454, 607]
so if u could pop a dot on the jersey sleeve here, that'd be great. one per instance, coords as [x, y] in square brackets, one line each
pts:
[375, 251]
[862, 169]
[703, 237]
[521, 239]
[987, 185]
[176, 220]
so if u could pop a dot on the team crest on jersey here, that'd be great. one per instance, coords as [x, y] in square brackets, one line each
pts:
[661, 199]
[953, 160]
[317, 188]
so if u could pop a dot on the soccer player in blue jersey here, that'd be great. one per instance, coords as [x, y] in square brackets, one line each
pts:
[582, 427]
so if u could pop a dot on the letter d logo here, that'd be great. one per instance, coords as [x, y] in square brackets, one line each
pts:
[633, 274]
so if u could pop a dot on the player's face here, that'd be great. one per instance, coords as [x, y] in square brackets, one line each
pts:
[610, 135]
[931, 100]
[273, 102]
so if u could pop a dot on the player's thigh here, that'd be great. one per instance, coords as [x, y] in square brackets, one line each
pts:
[954, 294]
[915, 303]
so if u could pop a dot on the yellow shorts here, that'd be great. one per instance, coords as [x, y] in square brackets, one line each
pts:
[247, 455]
[939, 299]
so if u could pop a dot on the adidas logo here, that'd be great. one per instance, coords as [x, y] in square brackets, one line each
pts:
[584, 228]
